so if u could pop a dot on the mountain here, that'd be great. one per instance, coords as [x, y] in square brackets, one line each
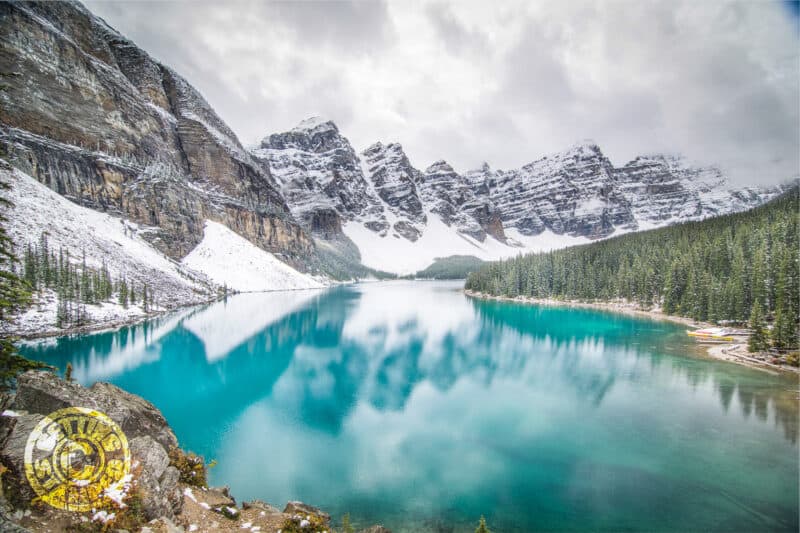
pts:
[395, 182]
[112, 129]
[320, 175]
[98, 121]
[401, 219]
[115, 157]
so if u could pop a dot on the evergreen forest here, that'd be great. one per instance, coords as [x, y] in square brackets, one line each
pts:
[740, 268]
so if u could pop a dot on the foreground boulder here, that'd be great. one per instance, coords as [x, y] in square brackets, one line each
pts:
[301, 508]
[149, 438]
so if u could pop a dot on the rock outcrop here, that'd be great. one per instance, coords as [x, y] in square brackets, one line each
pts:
[395, 182]
[149, 437]
[451, 197]
[320, 175]
[572, 192]
[661, 188]
[95, 118]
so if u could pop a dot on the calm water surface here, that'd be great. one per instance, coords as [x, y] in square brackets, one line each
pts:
[408, 404]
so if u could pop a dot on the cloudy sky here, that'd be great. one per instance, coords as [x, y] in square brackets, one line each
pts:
[504, 82]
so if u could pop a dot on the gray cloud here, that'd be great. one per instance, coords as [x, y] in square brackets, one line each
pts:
[506, 82]
[347, 26]
[456, 37]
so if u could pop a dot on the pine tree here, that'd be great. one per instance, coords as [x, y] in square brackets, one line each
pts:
[86, 288]
[758, 341]
[14, 296]
[29, 267]
[61, 309]
[758, 285]
[123, 293]
[347, 527]
[785, 334]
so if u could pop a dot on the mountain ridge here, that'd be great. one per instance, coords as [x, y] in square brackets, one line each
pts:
[576, 193]
[112, 129]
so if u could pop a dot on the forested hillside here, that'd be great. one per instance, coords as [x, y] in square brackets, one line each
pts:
[739, 267]
[453, 267]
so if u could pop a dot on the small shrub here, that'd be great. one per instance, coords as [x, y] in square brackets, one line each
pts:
[131, 517]
[304, 524]
[191, 466]
[793, 359]
[128, 517]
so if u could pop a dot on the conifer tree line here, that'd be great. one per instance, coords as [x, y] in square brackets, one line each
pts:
[76, 284]
[14, 296]
[738, 268]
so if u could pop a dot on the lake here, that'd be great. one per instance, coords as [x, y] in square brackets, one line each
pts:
[411, 405]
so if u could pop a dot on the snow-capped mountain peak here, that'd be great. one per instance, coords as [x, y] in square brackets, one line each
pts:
[315, 125]
[576, 193]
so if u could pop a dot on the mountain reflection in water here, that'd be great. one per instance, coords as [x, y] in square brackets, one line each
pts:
[409, 404]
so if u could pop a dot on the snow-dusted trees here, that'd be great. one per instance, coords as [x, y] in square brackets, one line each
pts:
[14, 295]
[76, 284]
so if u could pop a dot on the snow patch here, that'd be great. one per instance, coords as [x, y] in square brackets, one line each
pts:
[544, 242]
[36, 209]
[400, 256]
[229, 259]
[189, 494]
[312, 123]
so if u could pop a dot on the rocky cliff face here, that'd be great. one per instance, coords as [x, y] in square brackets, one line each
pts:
[451, 196]
[577, 192]
[40, 394]
[573, 192]
[320, 175]
[98, 120]
[395, 181]
[660, 188]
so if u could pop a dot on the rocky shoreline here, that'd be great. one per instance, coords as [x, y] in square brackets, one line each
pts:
[734, 351]
[165, 490]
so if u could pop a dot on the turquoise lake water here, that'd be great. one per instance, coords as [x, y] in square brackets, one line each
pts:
[408, 404]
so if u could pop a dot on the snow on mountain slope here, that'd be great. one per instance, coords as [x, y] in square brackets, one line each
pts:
[400, 256]
[37, 209]
[229, 259]
[667, 189]
[319, 172]
[401, 218]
